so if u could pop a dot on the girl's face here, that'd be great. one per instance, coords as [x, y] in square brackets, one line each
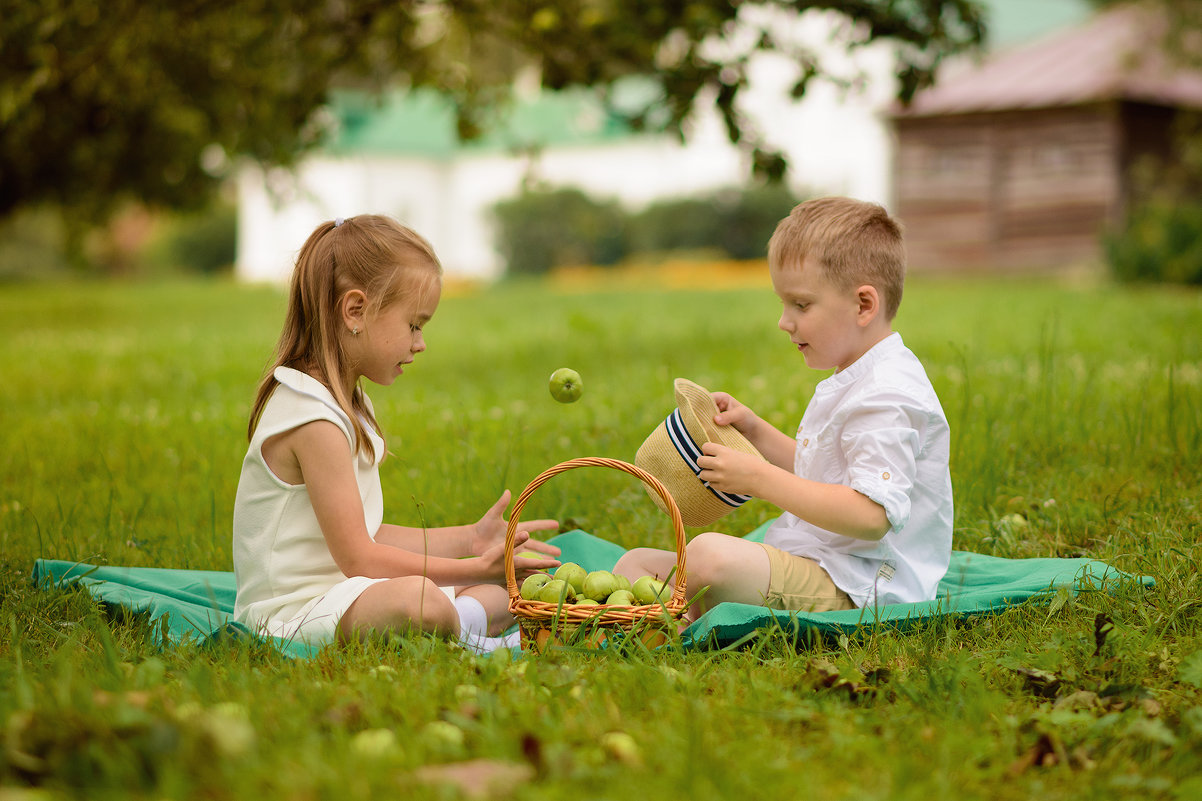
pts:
[392, 336]
[821, 320]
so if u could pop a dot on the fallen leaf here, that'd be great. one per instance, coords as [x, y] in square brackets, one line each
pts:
[478, 778]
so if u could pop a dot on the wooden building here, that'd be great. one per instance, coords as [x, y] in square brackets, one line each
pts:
[1023, 161]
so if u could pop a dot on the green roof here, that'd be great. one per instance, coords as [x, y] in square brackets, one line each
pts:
[422, 122]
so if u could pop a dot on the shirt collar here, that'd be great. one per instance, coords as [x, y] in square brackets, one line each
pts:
[886, 348]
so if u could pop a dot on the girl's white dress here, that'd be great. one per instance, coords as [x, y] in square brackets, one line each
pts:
[288, 583]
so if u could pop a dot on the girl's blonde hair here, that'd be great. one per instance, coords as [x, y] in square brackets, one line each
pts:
[854, 242]
[372, 253]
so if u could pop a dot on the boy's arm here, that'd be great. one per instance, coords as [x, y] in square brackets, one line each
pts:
[776, 446]
[833, 507]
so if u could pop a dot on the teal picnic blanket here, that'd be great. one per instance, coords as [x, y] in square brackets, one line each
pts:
[199, 604]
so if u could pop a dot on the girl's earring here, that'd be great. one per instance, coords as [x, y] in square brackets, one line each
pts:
[355, 331]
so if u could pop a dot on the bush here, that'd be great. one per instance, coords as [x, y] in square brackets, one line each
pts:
[204, 242]
[541, 229]
[1161, 241]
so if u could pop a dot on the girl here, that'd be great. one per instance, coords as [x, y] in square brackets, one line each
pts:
[312, 557]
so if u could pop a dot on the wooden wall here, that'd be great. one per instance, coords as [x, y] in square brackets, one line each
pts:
[1009, 190]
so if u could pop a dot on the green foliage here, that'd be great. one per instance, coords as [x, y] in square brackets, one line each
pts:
[542, 229]
[203, 242]
[1161, 241]
[125, 411]
[101, 104]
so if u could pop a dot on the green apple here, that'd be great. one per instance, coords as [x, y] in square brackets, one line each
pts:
[556, 590]
[650, 590]
[623, 582]
[601, 584]
[582, 601]
[566, 385]
[573, 574]
[532, 585]
[620, 598]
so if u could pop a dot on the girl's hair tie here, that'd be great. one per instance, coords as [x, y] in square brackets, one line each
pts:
[338, 221]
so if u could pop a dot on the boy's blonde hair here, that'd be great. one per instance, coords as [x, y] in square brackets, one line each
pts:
[372, 253]
[854, 243]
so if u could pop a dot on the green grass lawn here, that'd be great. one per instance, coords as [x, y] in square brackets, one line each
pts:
[1078, 409]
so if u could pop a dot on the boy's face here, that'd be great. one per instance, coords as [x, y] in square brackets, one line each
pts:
[821, 320]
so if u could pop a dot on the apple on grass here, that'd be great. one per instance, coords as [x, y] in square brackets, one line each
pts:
[566, 385]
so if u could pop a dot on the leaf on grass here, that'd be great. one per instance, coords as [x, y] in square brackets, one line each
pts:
[1042, 683]
[1190, 670]
[1102, 626]
[478, 778]
[1046, 751]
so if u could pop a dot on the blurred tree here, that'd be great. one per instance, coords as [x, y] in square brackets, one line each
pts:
[150, 99]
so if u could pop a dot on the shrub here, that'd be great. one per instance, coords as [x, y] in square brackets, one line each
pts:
[540, 229]
[204, 242]
[1161, 241]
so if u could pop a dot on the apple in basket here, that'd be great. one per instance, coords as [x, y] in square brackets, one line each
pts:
[601, 584]
[620, 598]
[574, 575]
[532, 585]
[555, 591]
[650, 590]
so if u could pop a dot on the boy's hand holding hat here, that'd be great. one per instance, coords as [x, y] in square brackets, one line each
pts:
[672, 451]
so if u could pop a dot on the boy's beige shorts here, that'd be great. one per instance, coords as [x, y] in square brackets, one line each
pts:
[798, 584]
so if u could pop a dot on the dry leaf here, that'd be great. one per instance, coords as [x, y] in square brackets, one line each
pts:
[478, 778]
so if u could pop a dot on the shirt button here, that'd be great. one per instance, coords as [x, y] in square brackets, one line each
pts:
[885, 475]
[805, 443]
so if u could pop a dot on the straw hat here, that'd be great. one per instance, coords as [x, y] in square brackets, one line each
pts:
[670, 454]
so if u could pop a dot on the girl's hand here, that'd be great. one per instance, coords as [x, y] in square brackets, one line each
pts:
[494, 559]
[489, 531]
[733, 413]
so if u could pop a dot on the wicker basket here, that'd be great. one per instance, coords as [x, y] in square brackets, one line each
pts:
[544, 623]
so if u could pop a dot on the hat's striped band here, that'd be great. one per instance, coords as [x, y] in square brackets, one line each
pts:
[689, 451]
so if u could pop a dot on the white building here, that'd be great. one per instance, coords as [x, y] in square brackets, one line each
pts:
[401, 158]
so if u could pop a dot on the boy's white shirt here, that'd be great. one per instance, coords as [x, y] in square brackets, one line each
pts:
[878, 428]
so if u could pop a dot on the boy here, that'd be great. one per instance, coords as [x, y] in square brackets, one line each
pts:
[865, 486]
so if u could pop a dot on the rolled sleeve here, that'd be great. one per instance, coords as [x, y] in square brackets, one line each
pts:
[881, 442]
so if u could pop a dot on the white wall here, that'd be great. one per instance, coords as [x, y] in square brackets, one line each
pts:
[836, 142]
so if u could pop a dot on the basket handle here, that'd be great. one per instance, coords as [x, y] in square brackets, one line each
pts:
[651, 481]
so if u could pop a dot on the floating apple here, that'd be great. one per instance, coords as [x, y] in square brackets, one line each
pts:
[556, 591]
[533, 585]
[650, 590]
[573, 574]
[601, 584]
[566, 385]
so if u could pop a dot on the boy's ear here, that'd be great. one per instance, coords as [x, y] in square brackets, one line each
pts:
[869, 304]
[353, 308]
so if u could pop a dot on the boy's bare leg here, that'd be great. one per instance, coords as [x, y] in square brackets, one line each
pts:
[641, 562]
[733, 568]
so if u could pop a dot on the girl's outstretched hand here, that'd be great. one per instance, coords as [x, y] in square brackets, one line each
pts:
[494, 559]
[489, 531]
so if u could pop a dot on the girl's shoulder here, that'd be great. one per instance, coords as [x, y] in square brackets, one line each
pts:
[300, 398]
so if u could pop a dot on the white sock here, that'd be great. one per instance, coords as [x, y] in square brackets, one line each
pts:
[473, 628]
[473, 620]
